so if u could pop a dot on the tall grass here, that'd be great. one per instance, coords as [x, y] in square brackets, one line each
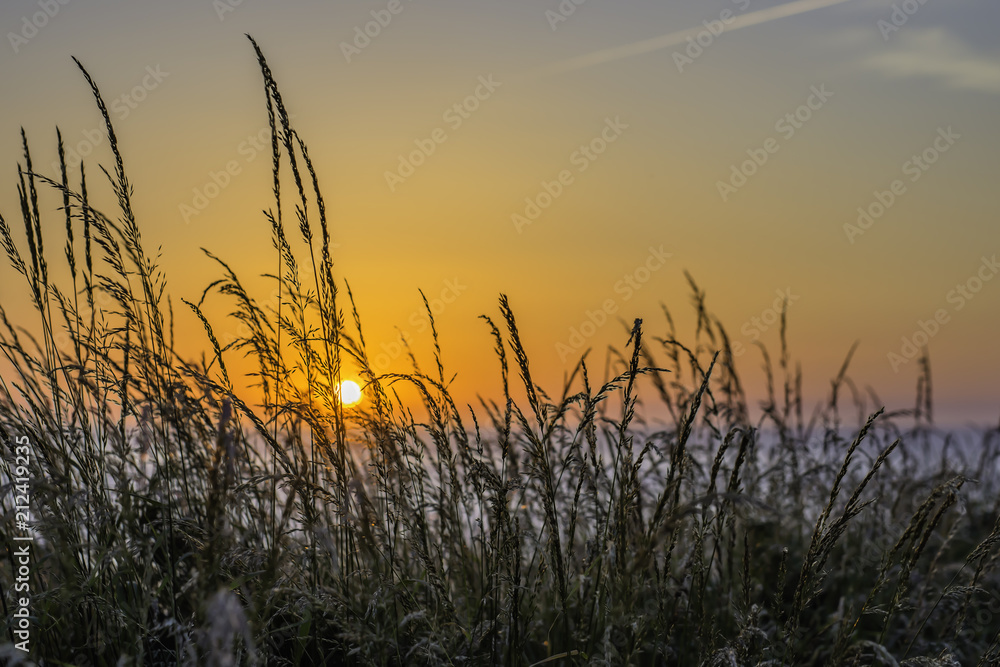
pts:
[178, 523]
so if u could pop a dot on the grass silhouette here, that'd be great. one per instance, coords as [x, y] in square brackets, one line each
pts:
[178, 523]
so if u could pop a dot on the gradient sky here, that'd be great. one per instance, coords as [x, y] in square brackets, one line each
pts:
[683, 116]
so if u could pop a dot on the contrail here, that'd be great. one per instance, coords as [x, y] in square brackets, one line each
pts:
[679, 37]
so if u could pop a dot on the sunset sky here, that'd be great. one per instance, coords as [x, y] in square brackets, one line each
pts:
[577, 156]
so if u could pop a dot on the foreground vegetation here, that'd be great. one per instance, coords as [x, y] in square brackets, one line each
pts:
[177, 523]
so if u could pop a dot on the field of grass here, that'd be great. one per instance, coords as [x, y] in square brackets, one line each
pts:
[178, 522]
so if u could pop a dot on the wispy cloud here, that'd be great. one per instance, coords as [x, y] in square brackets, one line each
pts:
[937, 54]
[680, 36]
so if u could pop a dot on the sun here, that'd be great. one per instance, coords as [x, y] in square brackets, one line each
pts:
[349, 393]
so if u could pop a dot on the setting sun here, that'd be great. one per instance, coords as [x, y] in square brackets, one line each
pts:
[349, 393]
